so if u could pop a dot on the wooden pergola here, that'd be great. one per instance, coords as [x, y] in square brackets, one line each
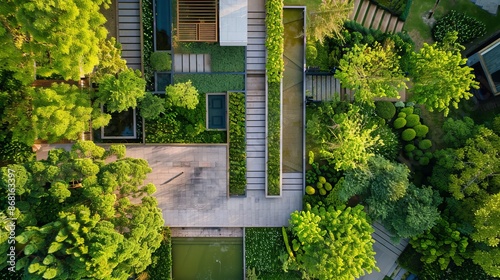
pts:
[197, 20]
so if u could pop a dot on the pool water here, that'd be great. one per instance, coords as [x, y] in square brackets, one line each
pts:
[207, 258]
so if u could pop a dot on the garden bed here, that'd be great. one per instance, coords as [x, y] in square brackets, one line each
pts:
[223, 58]
[237, 144]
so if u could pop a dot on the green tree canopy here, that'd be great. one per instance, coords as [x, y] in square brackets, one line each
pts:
[82, 215]
[331, 243]
[372, 72]
[183, 95]
[353, 138]
[380, 183]
[59, 112]
[328, 19]
[440, 76]
[122, 91]
[51, 38]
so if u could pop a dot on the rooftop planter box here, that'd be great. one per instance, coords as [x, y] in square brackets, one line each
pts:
[237, 144]
[274, 74]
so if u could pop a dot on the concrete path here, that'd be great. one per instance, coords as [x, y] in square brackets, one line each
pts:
[197, 197]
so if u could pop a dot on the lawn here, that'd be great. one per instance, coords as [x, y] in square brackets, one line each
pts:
[421, 32]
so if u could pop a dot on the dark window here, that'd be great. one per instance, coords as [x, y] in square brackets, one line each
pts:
[122, 125]
[216, 112]
[162, 81]
[163, 32]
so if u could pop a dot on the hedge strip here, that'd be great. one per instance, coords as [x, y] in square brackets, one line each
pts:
[147, 38]
[237, 145]
[275, 40]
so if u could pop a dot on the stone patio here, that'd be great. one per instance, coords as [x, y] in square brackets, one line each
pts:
[192, 192]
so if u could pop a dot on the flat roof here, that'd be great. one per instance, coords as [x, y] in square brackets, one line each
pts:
[233, 17]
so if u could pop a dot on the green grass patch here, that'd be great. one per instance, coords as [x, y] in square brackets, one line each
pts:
[237, 144]
[212, 83]
[222, 58]
[273, 139]
[418, 28]
[263, 247]
[161, 265]
[310, 4]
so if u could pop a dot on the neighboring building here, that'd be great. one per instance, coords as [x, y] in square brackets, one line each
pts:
[486, 63]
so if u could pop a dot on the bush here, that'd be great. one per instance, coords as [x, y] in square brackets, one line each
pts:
[495, 126]
[408, 134]
[161, 61]
[425, 144]
[412, 120]
[407, 110]
[311, 52]
[399, 123]
[183, 95]
[151, 106]
[409, 147]
[421, 130]
[423, 161]
[399, 104]
[310, 190]
[161, 259]
[402, 115]
[468, 28]
[385, 109]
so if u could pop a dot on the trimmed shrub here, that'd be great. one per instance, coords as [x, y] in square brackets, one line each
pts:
[468, 28]
[407, 110]
[417, 111]
[161, 61]
[402, 115]
[423, 161]
[409, 147]
[418, 153]
[399, 123]
[408, 134]
[421, 130]
[399, 104]
[385, 109]
[428, 154]
[412, 120]
[310, 190]
[425, 144]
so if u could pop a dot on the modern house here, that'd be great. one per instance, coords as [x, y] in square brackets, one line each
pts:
[486, 63]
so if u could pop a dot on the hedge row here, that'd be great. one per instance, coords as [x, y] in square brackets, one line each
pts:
[273, 139]
[237, 145]
[275, 40]
[161, 265]
[147, 37]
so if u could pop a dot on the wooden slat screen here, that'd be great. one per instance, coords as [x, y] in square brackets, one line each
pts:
[197, 20]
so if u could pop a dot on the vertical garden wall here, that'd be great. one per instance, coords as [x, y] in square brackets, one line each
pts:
[274, 70]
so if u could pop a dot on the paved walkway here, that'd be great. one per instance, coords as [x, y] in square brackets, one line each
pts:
[198, 196]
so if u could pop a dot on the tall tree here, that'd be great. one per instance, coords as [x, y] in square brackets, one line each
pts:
[81, 215]
[331, 243]
[352, 140]
[51, 38]
[121, 91]
[380, 183]
[328, 19]
[59, 112]
[487, 222]
[440, 75]
[372, 72]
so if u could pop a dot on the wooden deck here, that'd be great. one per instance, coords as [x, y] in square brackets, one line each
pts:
[129, 32]
[325, 87]
[192, 63]
[197, 20]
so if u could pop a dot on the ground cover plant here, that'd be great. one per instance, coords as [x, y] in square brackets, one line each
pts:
[147, 38]
[263, 250]
[237, 144]
[422, 32]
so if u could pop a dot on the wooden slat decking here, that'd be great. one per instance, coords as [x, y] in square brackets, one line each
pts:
[193, 63]
[371, 16]
[129, 32]
[197, 20]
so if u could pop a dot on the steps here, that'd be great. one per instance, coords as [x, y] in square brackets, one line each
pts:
[129, 32]
[256, 49]
[370, 15]
[191, 63]
[255, 131]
